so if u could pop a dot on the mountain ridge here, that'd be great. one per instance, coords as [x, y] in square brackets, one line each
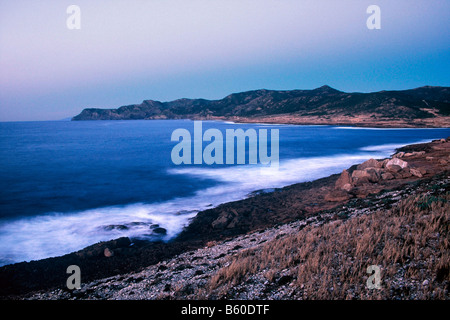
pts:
[422, 106]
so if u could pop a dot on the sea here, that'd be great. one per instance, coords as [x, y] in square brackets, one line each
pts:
[65, 185]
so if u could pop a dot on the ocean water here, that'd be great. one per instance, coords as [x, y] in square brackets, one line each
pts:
[65, 185]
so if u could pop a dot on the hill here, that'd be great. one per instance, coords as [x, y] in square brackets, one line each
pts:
[422, 107]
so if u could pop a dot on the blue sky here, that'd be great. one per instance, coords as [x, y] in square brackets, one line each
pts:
[128, 51]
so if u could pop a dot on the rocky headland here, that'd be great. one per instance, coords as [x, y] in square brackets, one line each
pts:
[310, 240]
[420, 107]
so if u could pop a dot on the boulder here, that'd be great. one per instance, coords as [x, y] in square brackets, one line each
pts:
[396, 162]
[414, 153]
[387, 176]
[108, 253]
[383, 163]
[405, 173]
[344, 182]
[371, 163]
[358, 174]
[394, 168]
[370, 174]
[416, 172]
[160, 231]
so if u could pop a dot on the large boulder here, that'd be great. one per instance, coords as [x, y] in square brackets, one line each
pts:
[344, 182]
[367, 175]
[371, 163]
[387, 176]
[396, 162]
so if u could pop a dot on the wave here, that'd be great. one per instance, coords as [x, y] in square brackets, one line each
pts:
[57, 234]
[390, 147]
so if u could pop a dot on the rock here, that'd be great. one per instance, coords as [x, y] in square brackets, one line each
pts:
[98, 249]
[408, 154]
[442, 140]
[398, 155]
[405, 173]
[122, 242]
[160, 231]
[375, 174]
[387, 176]
[344, 181]
[347, 187]
[396, 162]
[371, 163]
[115, 227]
[394, 168]
[371, 175]
[358, 174]
[222, 221]
[416, 172]
[414, 153]
[429, 158]
[443, 162]
[108, 253]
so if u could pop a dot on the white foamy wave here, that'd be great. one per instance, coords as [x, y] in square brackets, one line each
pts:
[252, 177]
[390, 147]
[57, 234]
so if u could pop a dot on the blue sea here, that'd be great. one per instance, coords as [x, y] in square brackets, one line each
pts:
[65, 185]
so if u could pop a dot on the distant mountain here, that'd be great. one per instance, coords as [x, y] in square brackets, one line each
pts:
[424, 106]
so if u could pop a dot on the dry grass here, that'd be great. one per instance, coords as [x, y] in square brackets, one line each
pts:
[410, 243]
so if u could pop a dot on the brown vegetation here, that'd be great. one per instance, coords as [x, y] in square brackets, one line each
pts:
[410, 243]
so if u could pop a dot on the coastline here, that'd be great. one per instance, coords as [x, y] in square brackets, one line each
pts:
[254, 214]
[363, 122]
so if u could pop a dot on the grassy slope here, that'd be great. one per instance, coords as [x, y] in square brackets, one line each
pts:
[409, 242]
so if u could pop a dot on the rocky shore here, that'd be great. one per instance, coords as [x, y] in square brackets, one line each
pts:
[202, 261]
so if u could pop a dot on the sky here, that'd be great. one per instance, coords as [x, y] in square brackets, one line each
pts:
[128, 51]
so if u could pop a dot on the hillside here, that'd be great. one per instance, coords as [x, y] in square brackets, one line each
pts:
[424, 106]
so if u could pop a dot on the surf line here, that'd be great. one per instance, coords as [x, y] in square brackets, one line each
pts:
[213, 153]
